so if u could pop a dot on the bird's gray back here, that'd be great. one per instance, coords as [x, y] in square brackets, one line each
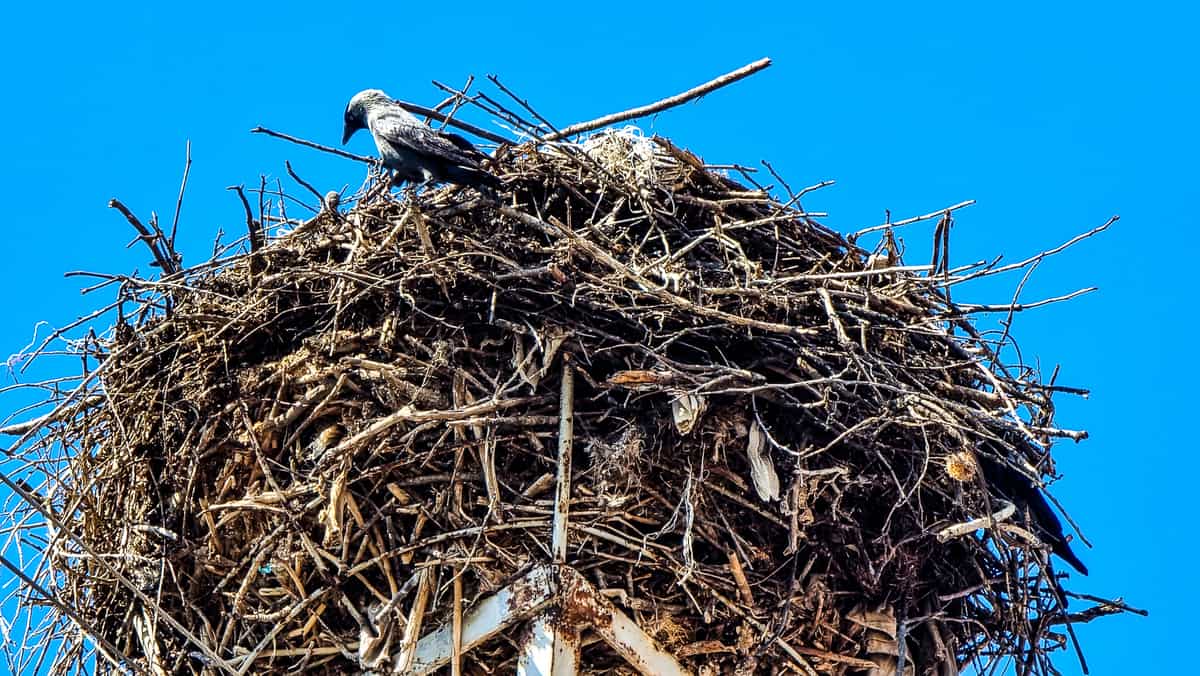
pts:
[417, 152]
[403, 131]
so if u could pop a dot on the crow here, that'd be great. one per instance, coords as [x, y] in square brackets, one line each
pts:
[1013, 485]
[411, 149]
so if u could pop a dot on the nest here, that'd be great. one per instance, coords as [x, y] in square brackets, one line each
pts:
[301, 457]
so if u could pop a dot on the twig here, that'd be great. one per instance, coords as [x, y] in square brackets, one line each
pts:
[253, 228]
[456, 627]
[849, 274]
[792, 196]
[524, 103]
[153, 240]
[817, 186]
[187, 168]
[958, 530]
[106, 648]
[658, 106]
[494, 110]
[416, 616]
[739, 576]
[967, 308]
[416, 416]
[1115, 603]
[457, 97]
[909, 221]
[21, 428]
[1038, 257]
[295, 177]
[315, 146]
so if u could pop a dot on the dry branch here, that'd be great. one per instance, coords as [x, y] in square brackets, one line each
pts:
[659, 106]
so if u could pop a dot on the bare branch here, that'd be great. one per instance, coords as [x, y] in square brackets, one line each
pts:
[315, 146]
[187, 168]
[664, 104]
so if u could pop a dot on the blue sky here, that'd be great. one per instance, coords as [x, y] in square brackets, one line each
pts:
[1052, 116]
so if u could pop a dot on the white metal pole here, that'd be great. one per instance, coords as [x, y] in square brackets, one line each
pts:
[566, 436]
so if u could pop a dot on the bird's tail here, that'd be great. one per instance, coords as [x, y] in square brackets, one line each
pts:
[476, 178]
[1063, 549]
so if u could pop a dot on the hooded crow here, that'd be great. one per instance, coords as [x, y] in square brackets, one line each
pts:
[410, 148]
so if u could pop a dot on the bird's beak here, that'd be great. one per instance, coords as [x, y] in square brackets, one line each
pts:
[347, 132]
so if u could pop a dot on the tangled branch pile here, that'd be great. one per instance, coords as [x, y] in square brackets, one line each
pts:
[315, 442]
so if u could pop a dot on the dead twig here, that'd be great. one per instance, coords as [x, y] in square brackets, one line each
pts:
[664, 104]
[187, 169]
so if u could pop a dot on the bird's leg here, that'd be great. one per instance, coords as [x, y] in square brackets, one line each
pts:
[376, 171]
[410, 192]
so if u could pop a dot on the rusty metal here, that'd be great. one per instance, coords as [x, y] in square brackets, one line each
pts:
[552, 649]
[562, 605]
[524, 598]
[583, 605]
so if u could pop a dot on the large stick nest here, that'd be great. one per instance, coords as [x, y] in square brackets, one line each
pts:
[772, 427]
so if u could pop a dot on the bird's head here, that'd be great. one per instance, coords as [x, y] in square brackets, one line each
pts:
[355, 117]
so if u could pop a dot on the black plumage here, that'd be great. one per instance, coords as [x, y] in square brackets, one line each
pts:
[1013, 485]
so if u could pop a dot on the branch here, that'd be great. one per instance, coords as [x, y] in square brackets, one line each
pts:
[295, 177]
[960, 529]
[658, 106]
[1038, 257]
[253, 228]
[316, 146]
[966, 308]
[58, 414]
[187, 168]
[909, 221]
[166, 263]
[111, 652]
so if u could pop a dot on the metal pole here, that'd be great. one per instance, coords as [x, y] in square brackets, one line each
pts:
[566, 435]
[552, 650]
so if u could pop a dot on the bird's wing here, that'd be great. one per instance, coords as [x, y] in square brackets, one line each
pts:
[423, 140]
[463, 144]
[1020, 489]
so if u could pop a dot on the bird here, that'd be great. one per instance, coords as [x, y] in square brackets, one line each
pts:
[1014, 486]
[410, 148]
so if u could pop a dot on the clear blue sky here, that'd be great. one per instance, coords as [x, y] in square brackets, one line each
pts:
[1053, 116]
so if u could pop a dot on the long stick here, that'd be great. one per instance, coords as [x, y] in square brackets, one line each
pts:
[310, 144]
[914, 219]
[187, 169]
[110, 569]
[671, 102]
[106, 648]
